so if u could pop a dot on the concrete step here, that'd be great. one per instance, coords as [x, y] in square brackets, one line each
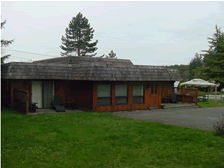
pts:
[182, 107]
[177, 106]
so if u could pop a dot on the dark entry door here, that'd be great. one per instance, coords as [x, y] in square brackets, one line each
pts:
[47, 94]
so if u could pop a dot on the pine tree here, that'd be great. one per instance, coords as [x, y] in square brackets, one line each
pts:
[195, 63]
[4, 43]
[110, 55]
[78, 36]
[213, 62]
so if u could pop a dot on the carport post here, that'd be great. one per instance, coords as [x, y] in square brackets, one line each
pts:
[216, 94]
[208, 92]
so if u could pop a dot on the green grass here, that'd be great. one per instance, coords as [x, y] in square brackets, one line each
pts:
[103, 140]
[210, 103]
[210, 93]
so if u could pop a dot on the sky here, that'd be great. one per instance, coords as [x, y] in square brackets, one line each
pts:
[146, 32]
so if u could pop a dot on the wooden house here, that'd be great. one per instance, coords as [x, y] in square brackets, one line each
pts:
[95, 84]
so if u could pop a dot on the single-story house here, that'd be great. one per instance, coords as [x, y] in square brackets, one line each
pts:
[95, 84]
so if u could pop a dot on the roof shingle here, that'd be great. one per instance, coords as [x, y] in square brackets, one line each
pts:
[94, 69]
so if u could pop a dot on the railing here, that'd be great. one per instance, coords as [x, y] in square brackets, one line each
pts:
[185, 95]
[20, 100]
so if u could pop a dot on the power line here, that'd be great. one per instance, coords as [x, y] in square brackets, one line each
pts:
[31, 53]
[19, 57]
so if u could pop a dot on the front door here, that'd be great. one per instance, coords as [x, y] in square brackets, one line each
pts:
[42, 93]
[37, 93]
[154, 95]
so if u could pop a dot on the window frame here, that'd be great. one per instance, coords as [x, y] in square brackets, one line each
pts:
[139, 96]
[98, 98]
[121, 96]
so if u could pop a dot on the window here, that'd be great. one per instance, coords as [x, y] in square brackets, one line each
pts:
[138, 94]
[155, 88]
[104, 95]
[152, 89]
[121, 94]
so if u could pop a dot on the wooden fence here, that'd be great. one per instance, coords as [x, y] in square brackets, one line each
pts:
[186, 95]
[20, 100]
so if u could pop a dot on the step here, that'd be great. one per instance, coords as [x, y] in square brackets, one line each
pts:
[182, 107]
[175, 106]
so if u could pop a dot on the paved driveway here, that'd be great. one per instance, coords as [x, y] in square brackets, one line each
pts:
[200, 118]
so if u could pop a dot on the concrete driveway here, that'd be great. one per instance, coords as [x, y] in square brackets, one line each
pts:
[200, 118]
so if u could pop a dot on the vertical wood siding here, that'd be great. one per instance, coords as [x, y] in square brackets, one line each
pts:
[23, 85]
[80, 92]
[149, 99]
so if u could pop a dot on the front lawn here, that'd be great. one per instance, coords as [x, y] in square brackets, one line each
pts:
[210, 103]
[103, 140]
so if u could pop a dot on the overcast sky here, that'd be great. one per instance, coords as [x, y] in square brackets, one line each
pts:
[147, 33]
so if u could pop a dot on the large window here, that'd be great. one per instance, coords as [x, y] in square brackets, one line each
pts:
[104, 95]
[121, 94]
[138, 94]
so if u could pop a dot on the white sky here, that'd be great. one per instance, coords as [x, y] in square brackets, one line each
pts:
[147, 32]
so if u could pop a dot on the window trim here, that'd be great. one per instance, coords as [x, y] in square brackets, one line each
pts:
[121, 96]
[139, 96]
[105, 97]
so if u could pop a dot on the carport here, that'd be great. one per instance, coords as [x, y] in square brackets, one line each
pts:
[201, 83]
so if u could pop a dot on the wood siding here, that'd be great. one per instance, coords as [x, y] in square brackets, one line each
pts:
[24, 85]
[6, 92]
[150, 100]
[80, 92]
[84, 93]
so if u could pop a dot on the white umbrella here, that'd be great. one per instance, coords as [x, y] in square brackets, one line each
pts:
[201, 83]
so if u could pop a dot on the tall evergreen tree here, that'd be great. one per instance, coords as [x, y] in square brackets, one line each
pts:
[4, 43]
[78, 36]
[213, 62]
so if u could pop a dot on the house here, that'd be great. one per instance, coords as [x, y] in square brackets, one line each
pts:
[95, 84]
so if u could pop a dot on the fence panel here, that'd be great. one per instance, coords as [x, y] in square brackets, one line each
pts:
[20, 98]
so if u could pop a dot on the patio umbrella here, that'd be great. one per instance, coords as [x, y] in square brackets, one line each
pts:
[201, 83]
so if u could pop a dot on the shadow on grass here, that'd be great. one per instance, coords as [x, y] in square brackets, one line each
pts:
[5, 109]
[219, 134]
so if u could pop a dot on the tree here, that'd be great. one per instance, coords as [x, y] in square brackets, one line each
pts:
[78, 36]
[183, 69]
[213, 62]
[197, 61]
[110, 55]
[4, 43]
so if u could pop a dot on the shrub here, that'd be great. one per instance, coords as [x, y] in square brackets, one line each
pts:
[219, 125]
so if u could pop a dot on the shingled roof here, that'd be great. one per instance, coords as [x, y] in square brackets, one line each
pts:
[80, 60]
[103, 70]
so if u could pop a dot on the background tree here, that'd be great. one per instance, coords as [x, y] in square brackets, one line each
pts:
[213, 61]
[4, 43]
[196, 62]
[110, 55]
[183, 69]
[77, 38]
